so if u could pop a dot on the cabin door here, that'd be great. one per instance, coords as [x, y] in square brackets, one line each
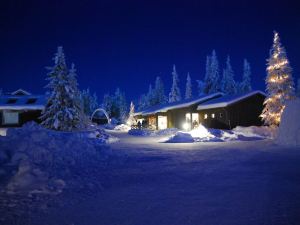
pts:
[162, 122]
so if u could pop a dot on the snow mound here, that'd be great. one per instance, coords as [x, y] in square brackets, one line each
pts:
[181, 137]
[255, 131]
[165, 132]
[201, 134]
[153, 133]
[289, 128]
[37, 160]
[122, 127]
[140, 132]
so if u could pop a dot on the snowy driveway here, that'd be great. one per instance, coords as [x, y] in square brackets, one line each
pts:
[236, 183]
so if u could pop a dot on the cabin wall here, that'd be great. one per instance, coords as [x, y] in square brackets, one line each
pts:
[24, 117]
[220, 121]
[243, 113]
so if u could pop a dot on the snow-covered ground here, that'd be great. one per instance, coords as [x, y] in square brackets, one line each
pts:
[143, 180]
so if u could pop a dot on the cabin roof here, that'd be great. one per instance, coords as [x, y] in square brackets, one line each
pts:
[227, 100]
[20, 92]
[22, 102]
[177, 105]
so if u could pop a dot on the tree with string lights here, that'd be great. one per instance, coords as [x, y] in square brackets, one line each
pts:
[280, 84]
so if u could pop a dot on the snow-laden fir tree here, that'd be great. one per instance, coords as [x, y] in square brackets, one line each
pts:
[228, 85]
[143, 102]
[211, 79]
[159, 92]
[280, 84]
[107, 104]
[89, 102]
[175, 94]
[120, 106]
[150, 96]
[298, 87]
[245, 85]
[63, 110]
[131, 120]
[201, 86]
[188, 87]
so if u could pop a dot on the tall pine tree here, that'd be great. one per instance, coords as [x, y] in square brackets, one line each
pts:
[175, 94]
[245, 85]
[159, 92]
[280, 84]
[228, 85]
[188, 87]
[63, 110]
[211, 79]
[89, 102]
[200, 87]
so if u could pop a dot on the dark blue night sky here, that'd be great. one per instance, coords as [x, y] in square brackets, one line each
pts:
[127, 44]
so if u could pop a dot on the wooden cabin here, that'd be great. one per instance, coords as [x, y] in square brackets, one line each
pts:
[181, 115]
[230, 111]
[19, 107]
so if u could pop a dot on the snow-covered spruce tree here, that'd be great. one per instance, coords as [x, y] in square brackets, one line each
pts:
[143, 102]
[280, 84]
[245, 85]
[188, 87]
[150, 96]
[107, 104]
[63, 109]
[159, 92]
[89, 102]
[228, 85]
[131, 119]
[211, 79]
[175, 94]
[200, 87]
[120, 106]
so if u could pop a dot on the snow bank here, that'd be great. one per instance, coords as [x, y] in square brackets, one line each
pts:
[37, 160]
[201, 134]
[122, 127]
[254, 131]
[181, 137]
[153, 133]
[289, 129]
[140, 132]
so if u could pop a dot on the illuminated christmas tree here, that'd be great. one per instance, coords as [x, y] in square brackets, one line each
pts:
[280, 84]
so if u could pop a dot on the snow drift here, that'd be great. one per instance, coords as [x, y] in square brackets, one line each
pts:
[201, 134]
[37, 160]
[289, 128]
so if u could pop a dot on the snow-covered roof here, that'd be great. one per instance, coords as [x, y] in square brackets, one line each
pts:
[20, 92]
[227, 100]
[177, 105]
[22, 102]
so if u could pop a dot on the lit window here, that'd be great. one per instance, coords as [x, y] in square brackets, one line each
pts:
[205, 116]
[10, 117]
[213, 115]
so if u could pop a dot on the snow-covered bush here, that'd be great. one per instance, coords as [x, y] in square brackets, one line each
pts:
[289, 128]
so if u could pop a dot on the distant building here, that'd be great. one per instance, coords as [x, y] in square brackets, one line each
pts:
[230, 111]
[213, 111]
[19, 107]
[182, 114]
